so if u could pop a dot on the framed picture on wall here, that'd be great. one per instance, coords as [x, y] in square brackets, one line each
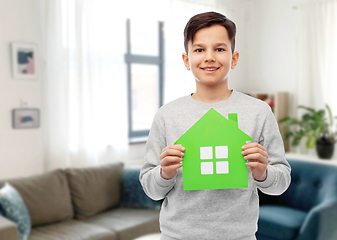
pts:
[24, 60]
[26, 118]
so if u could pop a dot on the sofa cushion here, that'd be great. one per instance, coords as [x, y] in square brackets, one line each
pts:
[95, 189]
[127, 223]
[71, 230]
[133, 194]
[46, 196]
[280, 222]
[15, 210]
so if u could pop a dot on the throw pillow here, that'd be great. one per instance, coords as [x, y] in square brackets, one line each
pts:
[15, 210]
[133, 195]
[1, 211]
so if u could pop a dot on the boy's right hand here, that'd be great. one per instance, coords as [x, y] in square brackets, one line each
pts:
[170, 160]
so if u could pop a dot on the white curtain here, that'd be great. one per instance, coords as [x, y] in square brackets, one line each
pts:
[85, 86]
[85, 91]
[317, 62]
[318, 55]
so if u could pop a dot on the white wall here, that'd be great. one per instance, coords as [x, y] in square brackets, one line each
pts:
[268, 53]
[20, 150]
[267, 34]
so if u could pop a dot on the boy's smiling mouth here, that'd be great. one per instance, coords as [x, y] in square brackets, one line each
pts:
[209, 69]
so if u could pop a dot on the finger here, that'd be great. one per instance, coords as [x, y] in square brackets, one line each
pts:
[250, 145]
[170, 160]
[253, 145]
[253, 164]
[171, 152]
[256, 157]
[255, 150]
[172, 146]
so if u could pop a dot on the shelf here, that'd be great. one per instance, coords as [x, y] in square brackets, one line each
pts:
[304, 157]
[278, 101]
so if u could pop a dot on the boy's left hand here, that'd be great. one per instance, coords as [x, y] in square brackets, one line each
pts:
[257, 159]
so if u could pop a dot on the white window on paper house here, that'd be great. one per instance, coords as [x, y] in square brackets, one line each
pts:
[206, 153]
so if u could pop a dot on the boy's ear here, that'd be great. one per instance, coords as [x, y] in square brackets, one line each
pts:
[235, 59]
[186, 62]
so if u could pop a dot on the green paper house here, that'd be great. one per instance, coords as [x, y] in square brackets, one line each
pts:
[213, 158]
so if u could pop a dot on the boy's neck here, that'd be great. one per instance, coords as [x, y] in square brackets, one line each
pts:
[211, 94]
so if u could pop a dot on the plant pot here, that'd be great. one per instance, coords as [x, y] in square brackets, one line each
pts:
[324, 149]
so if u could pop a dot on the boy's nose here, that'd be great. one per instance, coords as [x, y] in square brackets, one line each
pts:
[209, 57]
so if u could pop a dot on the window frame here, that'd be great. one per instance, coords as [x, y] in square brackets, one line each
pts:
[135, 135]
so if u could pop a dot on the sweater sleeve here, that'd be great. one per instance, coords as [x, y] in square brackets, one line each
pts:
[153, 184]
[278, 169]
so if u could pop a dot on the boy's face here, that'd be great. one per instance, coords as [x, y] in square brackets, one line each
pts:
[210, 56]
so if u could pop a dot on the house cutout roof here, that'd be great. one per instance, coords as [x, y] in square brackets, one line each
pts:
[213, 158]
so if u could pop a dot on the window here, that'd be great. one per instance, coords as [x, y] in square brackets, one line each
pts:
[145, 72]
[206, 153]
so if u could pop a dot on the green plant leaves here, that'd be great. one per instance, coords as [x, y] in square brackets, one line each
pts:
[313, 125]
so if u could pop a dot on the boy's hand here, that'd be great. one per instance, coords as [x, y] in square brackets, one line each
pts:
[170, 160]
[257, 160]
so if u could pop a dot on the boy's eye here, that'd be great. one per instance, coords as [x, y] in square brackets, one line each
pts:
[220, 50]
[198, 50]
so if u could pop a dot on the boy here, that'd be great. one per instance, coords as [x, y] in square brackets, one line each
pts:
[220, 213]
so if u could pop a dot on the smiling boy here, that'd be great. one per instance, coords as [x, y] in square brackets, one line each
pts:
[218, 213]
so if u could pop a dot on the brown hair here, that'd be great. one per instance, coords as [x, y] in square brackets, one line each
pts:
[208, 19]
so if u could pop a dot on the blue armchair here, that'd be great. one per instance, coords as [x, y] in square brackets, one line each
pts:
[307, 210]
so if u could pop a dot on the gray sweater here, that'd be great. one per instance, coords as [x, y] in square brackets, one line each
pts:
[218, 213]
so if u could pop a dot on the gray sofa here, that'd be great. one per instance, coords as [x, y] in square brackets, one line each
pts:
[97, 203]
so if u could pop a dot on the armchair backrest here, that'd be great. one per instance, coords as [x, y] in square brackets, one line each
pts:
[311, 184]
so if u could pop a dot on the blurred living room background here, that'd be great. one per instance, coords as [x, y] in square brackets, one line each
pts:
[81, 81]
[102, 68]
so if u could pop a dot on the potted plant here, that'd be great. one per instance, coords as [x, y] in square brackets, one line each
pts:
[318, 130]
